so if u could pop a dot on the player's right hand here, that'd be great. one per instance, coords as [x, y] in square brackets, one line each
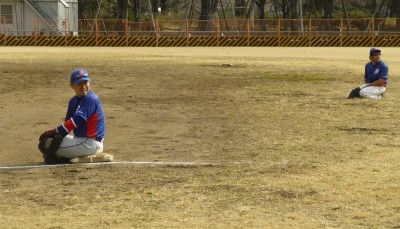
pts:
[48, 134]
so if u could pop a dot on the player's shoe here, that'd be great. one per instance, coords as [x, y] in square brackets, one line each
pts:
[54, 160]
[98, 157]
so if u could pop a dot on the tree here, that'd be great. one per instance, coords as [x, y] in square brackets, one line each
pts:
[285, 8]
[87, 9]
[294, 9]
[395, 12]
[123, 6]
[164, 6]
[240, 7]
[261, 7]
[135, 9]
[204, 9]
[155, 5]
[328, 8]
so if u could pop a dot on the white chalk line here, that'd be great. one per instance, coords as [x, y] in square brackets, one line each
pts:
[21, 167]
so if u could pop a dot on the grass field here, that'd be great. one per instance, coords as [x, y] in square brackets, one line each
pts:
[285, 148]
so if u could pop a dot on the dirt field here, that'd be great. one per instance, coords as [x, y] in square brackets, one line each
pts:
[283, 146]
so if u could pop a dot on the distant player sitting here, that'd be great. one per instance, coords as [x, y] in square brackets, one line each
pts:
[85, 117]
[376, 78]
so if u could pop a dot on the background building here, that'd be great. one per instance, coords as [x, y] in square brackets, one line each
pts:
[43, 17]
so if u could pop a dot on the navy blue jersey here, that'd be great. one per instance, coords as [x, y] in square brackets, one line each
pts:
[85, 117]
[374, 72]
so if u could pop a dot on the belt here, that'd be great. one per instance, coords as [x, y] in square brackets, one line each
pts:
[99, 139]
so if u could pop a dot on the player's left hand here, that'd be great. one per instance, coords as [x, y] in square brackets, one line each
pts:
[48, 134]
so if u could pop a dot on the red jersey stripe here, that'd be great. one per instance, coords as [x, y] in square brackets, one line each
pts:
[92, 125]
[69, 125]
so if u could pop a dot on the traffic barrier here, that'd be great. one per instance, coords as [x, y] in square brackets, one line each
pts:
[111, 41]
[356, 41]
[214, 32]
[389, 41]
[263, 41]
[233, 41]
[50, 41]
[325, 42]
[202, 41]
[172, 41]
[300, 41]
[20, 41]
[142, 42]
[82, 41]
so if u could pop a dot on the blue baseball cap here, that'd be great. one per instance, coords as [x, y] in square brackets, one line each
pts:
[374, 50]
[79, 75]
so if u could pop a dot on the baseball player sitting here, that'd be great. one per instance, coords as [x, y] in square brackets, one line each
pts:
[85, 117]
[376, 78]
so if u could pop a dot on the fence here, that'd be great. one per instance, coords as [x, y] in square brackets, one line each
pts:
[219, 32]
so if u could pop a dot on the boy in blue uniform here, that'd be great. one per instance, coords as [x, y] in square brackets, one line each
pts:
[375, 77]
[85, 117]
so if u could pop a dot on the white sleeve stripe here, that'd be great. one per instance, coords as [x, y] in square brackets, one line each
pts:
[73, 122]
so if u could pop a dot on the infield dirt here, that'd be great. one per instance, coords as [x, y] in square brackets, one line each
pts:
[288, 149]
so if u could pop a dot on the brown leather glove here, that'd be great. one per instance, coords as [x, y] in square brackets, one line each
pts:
[48, 134]
[49, 146]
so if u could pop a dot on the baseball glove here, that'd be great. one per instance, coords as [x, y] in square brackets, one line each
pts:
[355, 93]
[49, 146]
[48, 134]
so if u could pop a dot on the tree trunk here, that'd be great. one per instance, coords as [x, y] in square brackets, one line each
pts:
[285, 9]
[328, 8]
[122, 9]
[261, 16]
[294, 9]
[135, 10]
[214, 7]
[204, 11]
[394, 8]
[154, 4]
[80, 9]
[123, 14]
[261, 10]
[164, 6]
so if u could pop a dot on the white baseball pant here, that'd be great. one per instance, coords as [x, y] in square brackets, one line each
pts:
[72, 147]
[372, 92]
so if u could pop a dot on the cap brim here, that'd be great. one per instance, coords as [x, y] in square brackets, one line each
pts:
[374, 51]
[81, 79]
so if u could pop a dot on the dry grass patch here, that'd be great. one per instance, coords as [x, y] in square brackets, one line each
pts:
[290, 150]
